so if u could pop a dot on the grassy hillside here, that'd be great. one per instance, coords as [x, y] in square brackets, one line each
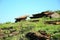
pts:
[24, 27]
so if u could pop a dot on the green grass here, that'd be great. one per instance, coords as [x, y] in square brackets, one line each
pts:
[25, 26]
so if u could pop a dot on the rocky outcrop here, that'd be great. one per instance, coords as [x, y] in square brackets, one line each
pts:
[20, 18]
[40, 35]
[46, 14]
[57, 22]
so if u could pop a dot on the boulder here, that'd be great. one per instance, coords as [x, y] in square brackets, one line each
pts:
[20, 18]
[55, 15]
[41, 35]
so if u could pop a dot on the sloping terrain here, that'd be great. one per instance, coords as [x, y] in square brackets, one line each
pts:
[37, 28]
[17, 31]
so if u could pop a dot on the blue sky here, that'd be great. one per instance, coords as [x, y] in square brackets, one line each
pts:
[10, 9]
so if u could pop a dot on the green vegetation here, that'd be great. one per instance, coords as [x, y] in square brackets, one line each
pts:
[26, 26]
